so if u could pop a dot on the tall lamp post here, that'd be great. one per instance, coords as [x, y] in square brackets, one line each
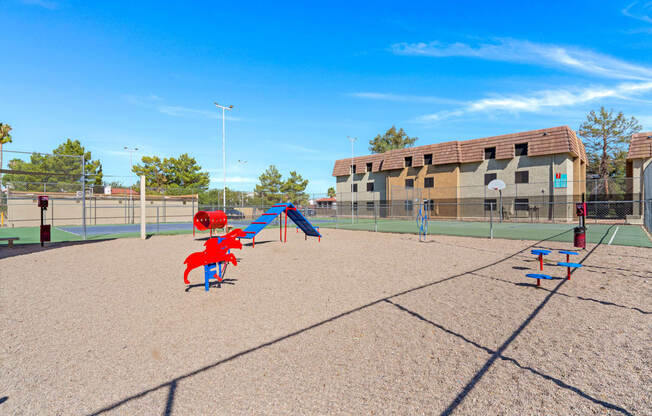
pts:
[352, 140]
[224, 108]
[131, 151]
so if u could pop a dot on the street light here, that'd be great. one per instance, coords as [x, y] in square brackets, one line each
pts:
[131, 164]
[352, 140]
[223, 149]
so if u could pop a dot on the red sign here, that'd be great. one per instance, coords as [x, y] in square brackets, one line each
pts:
[45, 233]
[42, 201]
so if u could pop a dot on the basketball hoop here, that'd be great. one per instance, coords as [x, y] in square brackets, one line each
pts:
[496, 185]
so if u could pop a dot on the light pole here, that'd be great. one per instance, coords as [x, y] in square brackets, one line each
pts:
[224, 108]
[242, 162]
[131, 165]
[352, 140]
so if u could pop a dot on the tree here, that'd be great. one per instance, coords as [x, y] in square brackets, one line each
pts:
[174, 175]
[5, 137]
[58, 169]
[391, 140]
[154, 170]
[331, 192]
[293, 188]
[269, 187]
[606, 137]
[233, 198]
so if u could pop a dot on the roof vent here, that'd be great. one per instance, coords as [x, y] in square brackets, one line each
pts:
[545, 133]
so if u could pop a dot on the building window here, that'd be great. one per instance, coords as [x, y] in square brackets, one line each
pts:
[408, 161]
[370, 186]
[490, 204]
[370, 206]
[370, 166]
[352, 168]
[429, 182]
[520, 149]
[427, 159]
[409, 183]
[354, 187]
[489, 153]
[521, 204]
[355, 207]
[488, 177]
[522, 177]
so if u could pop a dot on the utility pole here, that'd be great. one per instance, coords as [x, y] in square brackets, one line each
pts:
[230, 107]
[352, 140]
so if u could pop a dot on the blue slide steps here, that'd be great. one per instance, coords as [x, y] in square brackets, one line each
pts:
[294, 214]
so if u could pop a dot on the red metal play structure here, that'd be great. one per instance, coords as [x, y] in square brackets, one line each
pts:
[209, 220]
[217, 250]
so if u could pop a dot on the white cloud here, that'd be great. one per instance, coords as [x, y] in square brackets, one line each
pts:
[541, 100]
[519, 51]
[403, 98]
[639, 11]
[155, 102]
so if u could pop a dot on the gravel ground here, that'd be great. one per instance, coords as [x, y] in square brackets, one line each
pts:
[361, 323]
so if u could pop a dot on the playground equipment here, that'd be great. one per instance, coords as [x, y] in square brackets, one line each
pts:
[540, 254]
[568, 263]
[209, 220]
[539, 276]
[290, 212]
[422, 220]
[217, 252]
[218, 249]
[45, 228]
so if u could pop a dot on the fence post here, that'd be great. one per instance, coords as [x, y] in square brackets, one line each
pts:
[158, 230]
[491, 220]
[143, 207]
[83, 196]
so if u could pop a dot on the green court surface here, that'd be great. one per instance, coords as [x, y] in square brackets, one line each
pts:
[624, 235]
[30, 235]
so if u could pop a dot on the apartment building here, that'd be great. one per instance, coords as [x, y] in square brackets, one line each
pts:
[541, 168]
[639, 168]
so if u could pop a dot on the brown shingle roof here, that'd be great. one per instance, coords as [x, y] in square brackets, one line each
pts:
[540, 142]
[640, 147]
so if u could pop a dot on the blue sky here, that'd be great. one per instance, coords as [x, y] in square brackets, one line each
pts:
[303, 76]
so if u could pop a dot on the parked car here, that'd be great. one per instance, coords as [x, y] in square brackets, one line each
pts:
[234, 214]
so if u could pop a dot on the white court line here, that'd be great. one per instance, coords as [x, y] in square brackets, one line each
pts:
[613, 235]
[69, 232]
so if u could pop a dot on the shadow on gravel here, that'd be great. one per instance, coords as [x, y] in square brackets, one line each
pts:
[172, 384]
[498, 353]
[557, 381]
[212, 284]
[602, 302]
[20, 249]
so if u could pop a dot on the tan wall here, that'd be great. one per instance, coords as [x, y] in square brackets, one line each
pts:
[343, 187]
[444, 192]
[22, 211]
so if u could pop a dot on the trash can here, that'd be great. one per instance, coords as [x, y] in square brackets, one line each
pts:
[579, 239]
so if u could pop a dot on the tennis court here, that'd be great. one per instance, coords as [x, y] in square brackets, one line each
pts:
[617, 234]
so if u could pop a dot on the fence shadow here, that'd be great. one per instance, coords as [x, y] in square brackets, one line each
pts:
[21, 249]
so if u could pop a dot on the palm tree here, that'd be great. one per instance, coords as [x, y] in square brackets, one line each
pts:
[5, 137]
